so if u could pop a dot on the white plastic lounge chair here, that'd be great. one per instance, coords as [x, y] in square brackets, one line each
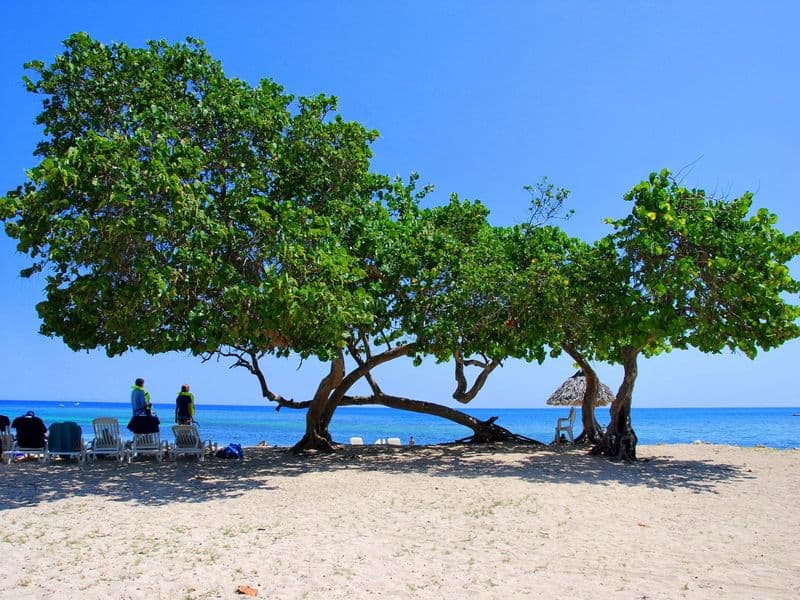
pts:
[356, 441]
[66, 440]
[17, 449]
[146, 443]
[394, 441]
[107, 439]
[564, 424]
[187, 442]
[12, 449]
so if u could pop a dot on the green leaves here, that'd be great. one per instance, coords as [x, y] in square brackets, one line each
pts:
[205, 209]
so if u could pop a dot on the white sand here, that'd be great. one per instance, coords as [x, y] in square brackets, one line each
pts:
[691, 521]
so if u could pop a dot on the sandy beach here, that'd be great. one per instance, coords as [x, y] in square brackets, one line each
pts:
[687, 521]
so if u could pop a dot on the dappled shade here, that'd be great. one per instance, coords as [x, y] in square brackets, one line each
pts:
[570, 393]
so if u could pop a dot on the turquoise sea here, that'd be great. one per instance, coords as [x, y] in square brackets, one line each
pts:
[248, 425]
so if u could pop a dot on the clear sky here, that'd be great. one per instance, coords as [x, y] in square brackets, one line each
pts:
[480, 98]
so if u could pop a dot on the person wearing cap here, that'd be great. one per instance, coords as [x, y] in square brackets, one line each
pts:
[184, 406]
[31, 432]
[140, 399]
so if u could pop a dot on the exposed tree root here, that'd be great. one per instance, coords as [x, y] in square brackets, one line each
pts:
[486, 432]
[618, 446]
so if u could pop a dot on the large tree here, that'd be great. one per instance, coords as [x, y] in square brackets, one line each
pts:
[175, 208]
[687, 270]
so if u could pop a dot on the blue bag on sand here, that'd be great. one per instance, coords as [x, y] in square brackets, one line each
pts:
[231, 451]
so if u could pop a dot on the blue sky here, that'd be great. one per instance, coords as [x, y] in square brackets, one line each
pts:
[480, 98]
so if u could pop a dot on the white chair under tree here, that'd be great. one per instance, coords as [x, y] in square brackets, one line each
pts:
[107, 439]
[564, 425]
[146, 443]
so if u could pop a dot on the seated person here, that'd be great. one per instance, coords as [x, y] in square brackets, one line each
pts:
[31, 432]
[5, 423]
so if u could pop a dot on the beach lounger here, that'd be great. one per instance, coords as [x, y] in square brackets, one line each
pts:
[187, 442]
[356, 441]
[31, 438]
[66, 440]
[394, 441]
[564, 425]
[146, 443]
[107, 439]
[16, 450]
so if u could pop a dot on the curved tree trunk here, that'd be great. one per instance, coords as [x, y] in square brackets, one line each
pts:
[316, 436]
[619, 441]
[331, 394]
[592, 432]
[482, 431]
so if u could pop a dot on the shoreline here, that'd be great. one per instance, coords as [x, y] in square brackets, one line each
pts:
[686, 521]
[250, 425]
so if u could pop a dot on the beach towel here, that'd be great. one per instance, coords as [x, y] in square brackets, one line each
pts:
[144, 424]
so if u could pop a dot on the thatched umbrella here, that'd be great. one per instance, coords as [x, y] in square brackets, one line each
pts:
[570, 393]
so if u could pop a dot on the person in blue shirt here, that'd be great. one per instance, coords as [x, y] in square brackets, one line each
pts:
[140, 399]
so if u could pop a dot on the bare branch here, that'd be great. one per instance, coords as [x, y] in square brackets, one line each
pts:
[461, 393]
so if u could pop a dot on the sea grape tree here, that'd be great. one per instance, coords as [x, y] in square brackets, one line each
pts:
[175, 208]
[687, 270]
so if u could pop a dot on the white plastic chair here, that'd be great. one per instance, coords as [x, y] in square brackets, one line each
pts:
[107, 439]
[16, 449]
[11, 449]
[146, 443]
[187, 442]
[565, 424]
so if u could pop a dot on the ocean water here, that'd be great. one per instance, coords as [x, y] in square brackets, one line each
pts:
[249, 425]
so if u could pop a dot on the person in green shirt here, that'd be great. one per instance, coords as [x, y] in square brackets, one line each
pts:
[184, 406]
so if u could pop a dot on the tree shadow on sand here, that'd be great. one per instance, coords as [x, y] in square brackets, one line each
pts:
[151, 483]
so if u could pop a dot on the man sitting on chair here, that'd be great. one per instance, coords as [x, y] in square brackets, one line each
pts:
[31, 432]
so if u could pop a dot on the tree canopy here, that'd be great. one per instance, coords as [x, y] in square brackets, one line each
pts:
[175, 208]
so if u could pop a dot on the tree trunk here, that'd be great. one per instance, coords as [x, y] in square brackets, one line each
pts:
[316, 436]
[592, 432]
[482, 431]
[619, 441]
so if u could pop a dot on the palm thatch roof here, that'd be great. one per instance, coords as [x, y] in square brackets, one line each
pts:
[570, 393]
